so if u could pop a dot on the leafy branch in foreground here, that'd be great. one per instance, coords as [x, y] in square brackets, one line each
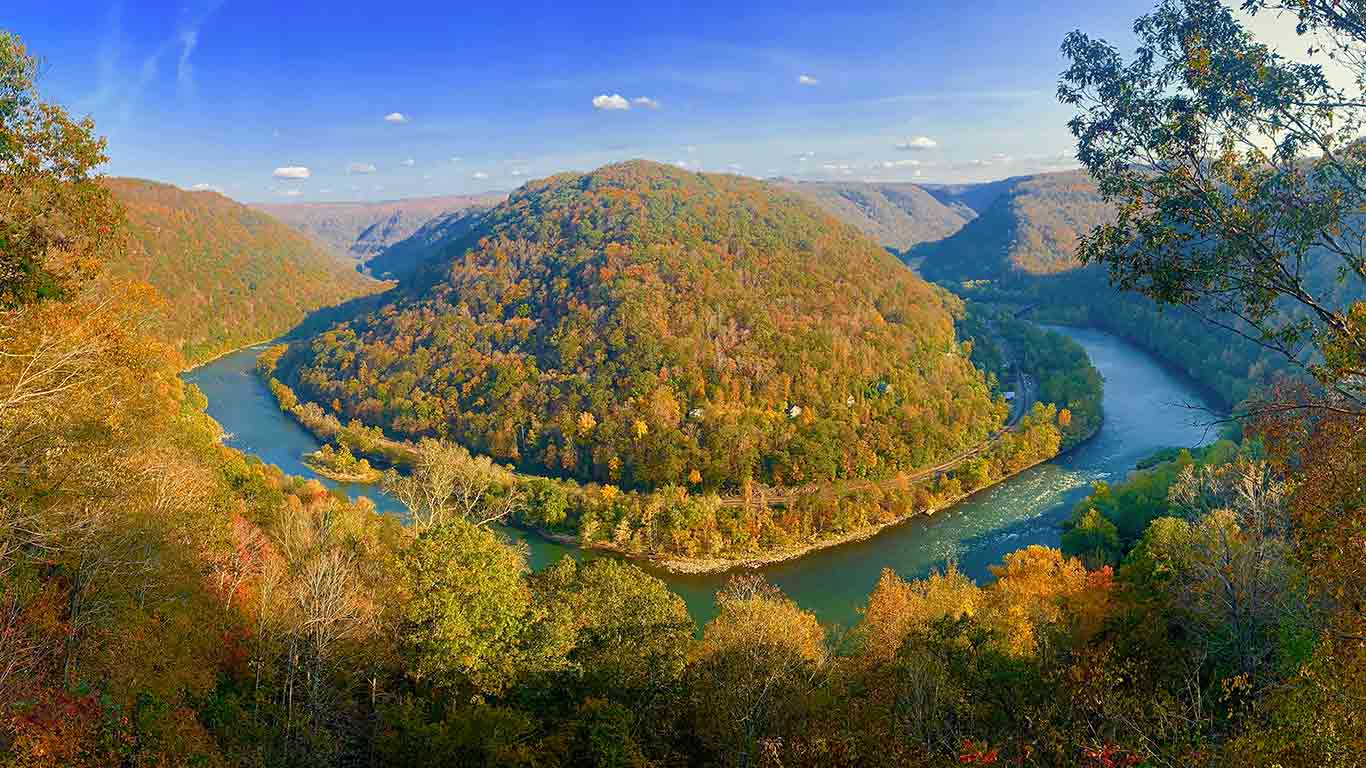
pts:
[1237, 173]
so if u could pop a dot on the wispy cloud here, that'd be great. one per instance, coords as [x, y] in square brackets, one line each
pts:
[395, 117]
[293, 172]
[354, 168]
[612, 103]
[407, 162]
[807, 80]
[291, 192]
[479, 176]
[119, 87]
[646, 102]
[202, 187]
[917, 144]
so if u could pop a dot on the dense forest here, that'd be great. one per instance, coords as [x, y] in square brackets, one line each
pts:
[166, 601]
[1022, 253]
[1032, 226]
[229, 275]
[644, 326]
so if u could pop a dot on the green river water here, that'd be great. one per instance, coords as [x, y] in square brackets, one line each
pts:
[1146, 408]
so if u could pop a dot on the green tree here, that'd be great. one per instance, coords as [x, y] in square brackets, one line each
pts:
[469, 609]
[1238, 174]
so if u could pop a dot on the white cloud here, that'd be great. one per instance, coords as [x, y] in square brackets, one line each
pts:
[518, 172]
[207, 188]
[325, 191]
[917, 144]
[479, 175]
[807, 80]
[455, 159]
[889, 164]
[646, 102]
[360, 168]
[407, 162]
[611, 103]
[395, 117]
[690, 149]
[681, 163]
[291, 192]
[291, 172]
[736, 167]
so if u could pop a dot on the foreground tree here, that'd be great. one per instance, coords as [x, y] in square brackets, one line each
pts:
[1238, 174]
[758, 660]
[58, 224]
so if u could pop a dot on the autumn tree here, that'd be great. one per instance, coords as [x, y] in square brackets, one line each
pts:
[758, 658]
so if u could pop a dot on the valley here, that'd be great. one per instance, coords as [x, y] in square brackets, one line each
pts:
[651, 386]
[1145, 411]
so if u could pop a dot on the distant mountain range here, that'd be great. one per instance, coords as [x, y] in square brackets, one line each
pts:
[231, 274]
[364, 230]
[1026, 225]
[898, 216]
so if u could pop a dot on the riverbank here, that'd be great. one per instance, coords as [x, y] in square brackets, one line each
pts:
[220, 355]
[832, 582]
[906, 497]
[368, 476]
[696, 566]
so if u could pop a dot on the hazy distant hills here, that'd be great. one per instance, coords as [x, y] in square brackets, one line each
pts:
[898, 216]
[232, 275]
[647, 326]
[401, 259]
[1030, 225]
[366, 229]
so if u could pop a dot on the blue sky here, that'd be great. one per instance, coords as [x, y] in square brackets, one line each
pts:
[225, 93]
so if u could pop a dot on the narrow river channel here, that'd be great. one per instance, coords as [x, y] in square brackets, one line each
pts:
[1146, 408]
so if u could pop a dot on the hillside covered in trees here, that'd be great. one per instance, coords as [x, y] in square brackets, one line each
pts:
[1022, 252]
[167, 601]
[646, 326]
[363, 230]
[1030, 226]
[229, 275]
[897, 215]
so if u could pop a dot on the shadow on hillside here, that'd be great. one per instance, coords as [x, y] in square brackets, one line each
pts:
[320, 320]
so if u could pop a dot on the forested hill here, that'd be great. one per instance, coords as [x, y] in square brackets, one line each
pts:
[1021, 251]
[1032, 226]
[363, 230]
[646, 326]
[409, 254]
[897, 215]
[230, 275]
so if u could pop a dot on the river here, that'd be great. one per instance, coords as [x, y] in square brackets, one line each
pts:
[1146, 409]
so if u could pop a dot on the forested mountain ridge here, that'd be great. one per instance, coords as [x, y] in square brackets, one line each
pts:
[229, 275]
[411, 253]
[897, 215]
[1032, 226]
[364, 230]
[647, 326]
